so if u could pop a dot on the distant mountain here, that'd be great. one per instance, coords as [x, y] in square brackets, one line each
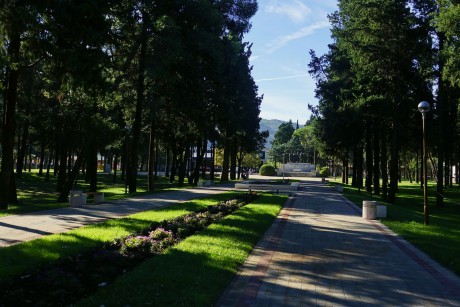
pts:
[272, 126]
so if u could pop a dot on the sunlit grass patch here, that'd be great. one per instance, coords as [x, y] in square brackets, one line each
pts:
[29, 255]
[35, 193]
[197, 270]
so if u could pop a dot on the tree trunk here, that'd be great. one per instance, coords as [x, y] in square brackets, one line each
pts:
[457, 173]
[70, 180]
[233, 154]
[140, 87]
[20, 165]
[42, 156]
[9, 121]
[354, 180]
[12, 194]
[56, 159]
[394, 165]
[151, 158]
[359, 169]
[384, 164]
[91, 165]
[226, 161]
[48, 167]
[181, 167]
[62, 167]
[205, 162]
[369, 160]
[376, 169]
[173, 165]
[115, 168]
[30, 157]
[123, 165]
[212, 169]
[167, 162]
[157, 160]
[443, 133]
[200, 154]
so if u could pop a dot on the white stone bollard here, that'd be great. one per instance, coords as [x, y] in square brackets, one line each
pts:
[369, 209]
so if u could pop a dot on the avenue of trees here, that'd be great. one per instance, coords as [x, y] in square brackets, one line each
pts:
[134, 80]
[293, 144]
[386, 57]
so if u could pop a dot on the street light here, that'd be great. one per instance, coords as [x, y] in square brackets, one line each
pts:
[424, 107]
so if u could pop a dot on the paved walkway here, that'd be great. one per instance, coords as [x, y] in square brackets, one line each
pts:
[320, 252]
[20, 228]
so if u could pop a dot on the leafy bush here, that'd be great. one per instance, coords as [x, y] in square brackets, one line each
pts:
[136, 244]
[160, 234]
[267, 170]
[324, 172]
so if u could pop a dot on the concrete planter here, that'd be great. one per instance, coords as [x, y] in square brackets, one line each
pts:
[77, 198]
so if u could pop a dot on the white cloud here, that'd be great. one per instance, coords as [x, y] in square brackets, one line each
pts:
[305, 31]
[295, 10]
[253, 58]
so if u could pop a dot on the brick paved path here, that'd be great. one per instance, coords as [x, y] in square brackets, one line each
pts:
[19, 228]
[320, 252]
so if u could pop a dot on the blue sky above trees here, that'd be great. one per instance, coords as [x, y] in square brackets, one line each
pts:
[283, 31]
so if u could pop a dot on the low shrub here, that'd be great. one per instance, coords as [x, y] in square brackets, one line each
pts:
[267, 170]
[324, 172]
[169, 232]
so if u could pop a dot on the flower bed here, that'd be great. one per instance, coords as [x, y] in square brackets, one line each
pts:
[73, 278]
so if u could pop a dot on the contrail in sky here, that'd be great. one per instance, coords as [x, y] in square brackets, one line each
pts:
[281, 78]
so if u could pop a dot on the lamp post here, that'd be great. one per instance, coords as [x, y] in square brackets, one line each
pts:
[424, 107]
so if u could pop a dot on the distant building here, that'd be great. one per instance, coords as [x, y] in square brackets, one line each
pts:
[263, 154]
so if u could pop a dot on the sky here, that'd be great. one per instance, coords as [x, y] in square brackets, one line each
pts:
[282, 33]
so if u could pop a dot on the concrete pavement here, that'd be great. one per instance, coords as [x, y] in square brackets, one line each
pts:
[320, 252]
[25, 227]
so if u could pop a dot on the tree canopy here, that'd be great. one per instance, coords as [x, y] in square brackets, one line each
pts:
[131, 80]
[385, 58]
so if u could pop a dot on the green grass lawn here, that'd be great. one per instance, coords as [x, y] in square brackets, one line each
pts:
[196, 271]
[441, 238]
[36, 194]
[26, 256]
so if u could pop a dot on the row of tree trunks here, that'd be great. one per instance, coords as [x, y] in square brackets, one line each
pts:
[151, 163]
[9, 122]
[22, 148]
[226, 161]
[140, 98]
